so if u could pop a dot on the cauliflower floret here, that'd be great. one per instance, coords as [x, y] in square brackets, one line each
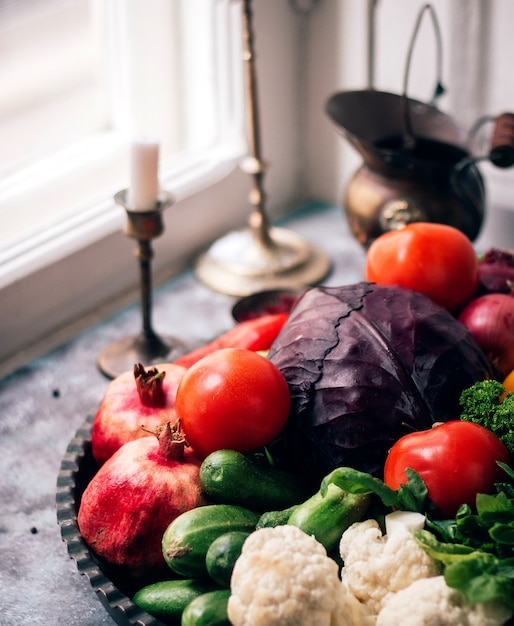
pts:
[377, 566]
[285, 578]
[431, 602]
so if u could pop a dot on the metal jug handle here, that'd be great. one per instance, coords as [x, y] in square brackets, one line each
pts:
[408, 138]
[501, 151]
[500, 154]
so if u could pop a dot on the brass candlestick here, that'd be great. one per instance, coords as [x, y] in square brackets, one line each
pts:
[258, 257]
[148, 347]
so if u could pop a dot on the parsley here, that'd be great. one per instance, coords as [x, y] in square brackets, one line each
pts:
[482, 403]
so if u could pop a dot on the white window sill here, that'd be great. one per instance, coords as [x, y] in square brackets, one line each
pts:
[84, 268]
[78, 230]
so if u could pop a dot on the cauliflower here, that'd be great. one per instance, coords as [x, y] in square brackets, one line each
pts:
[431, 602]
[377, 566]
[285, 578]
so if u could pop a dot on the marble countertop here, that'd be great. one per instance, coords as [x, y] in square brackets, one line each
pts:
[44, 403]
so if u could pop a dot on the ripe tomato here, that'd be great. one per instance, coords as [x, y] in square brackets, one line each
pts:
[434, 259]
[232, 399]
[456, 460]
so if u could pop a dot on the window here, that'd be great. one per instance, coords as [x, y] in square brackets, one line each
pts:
[82, 79]
[50, 71]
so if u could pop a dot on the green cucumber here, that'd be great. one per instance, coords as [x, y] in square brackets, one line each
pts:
[230, 477]
[186, 540]
[222, 555]
[167, 599]
[276, 518]
[327, 517]
[209, 609]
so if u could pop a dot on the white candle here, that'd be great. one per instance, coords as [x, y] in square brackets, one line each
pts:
[144, 177]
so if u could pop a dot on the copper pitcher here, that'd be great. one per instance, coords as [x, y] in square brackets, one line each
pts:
[397, 184]
[417, 161]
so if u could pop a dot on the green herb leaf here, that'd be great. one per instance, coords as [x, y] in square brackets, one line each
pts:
[500, 503]
[482, 577]
[503, 533]
[507, 469]
[411, 496]
[360, 483]
[440, 551]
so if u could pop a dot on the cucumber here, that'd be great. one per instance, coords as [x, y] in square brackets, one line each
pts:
[222, 555]
[209, 609]
[327, 517]
[276, 518]
[230, 477]
[167, 599]
[186, 540]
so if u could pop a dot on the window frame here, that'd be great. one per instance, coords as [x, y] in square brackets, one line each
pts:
[61, 182]
[51, 285]
[45, 308]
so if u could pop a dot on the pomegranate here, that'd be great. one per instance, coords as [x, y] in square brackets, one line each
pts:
[131, 400]
[135, 495]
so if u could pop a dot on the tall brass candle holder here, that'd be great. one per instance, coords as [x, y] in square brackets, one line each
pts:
[148, 347]
[258, 257]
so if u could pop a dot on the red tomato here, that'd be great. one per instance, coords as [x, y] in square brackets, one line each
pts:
[456, 460]
[232, 399]
[434, 259]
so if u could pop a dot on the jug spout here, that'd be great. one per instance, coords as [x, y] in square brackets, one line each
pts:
[368, 118]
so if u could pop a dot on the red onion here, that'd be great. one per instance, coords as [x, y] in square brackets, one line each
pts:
[496, 271]
[490, 319]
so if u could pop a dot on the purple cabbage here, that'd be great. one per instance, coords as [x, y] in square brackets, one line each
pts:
[366, 364]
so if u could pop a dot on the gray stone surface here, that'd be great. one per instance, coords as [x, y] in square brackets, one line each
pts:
[43, 404]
